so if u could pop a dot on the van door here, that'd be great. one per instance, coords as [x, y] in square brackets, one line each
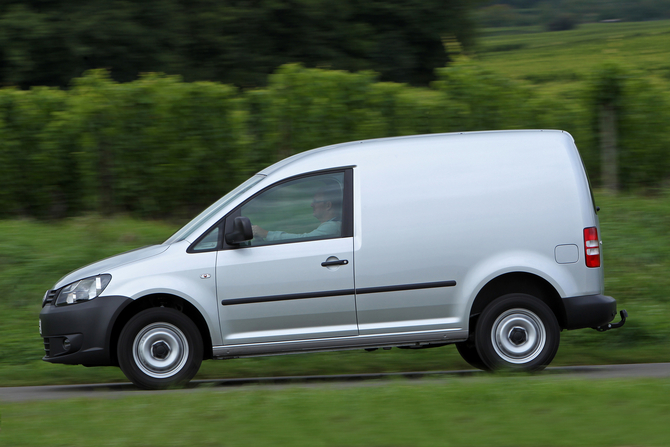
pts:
[406, 269]
[295, 279]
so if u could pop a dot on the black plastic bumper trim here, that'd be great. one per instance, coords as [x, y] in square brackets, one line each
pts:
[589, 311]
[88, 328]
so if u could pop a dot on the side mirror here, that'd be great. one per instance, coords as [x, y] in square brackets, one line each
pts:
[241, 231]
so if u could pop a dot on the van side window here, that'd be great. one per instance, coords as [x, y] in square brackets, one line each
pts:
[307, 208]
[209, 242]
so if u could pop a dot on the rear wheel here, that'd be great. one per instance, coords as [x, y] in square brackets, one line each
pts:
[468, 351]
[517, 332]
[159, 348]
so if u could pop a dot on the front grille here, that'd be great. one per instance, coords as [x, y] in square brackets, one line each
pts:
[50, 297]
[47, 347]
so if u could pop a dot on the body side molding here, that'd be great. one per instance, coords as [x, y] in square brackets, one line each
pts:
[330, 293]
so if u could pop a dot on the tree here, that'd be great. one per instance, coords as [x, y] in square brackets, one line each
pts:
[606, 96]
[229, 41]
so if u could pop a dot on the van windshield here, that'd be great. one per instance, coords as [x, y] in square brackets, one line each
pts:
[212, 210]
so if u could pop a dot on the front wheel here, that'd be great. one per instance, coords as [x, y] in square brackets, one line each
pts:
[517, 332]
[159, 348]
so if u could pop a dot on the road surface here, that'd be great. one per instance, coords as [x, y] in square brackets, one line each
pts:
[115, 390]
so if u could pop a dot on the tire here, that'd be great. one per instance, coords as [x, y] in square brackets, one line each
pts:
[468, 351]
[517, 332]
[160, 348]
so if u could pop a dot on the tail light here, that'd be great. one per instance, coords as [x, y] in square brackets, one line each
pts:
[592, 247]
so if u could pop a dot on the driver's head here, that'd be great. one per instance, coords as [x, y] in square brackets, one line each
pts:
[327, 203]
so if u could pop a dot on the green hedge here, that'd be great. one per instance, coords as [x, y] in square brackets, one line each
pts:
[160, 147]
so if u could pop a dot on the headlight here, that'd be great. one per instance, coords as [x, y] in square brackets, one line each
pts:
[83, 290]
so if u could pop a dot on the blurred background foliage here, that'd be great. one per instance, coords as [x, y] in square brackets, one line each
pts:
[559, 15]
[159, 146]
[236, 42]
[89, 124]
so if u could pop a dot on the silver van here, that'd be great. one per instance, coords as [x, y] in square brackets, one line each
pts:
[489, 240]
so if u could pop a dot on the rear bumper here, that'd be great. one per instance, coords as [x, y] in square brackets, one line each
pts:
[81, 333]
[588, 311]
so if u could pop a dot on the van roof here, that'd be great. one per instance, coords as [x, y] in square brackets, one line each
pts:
[373, 143]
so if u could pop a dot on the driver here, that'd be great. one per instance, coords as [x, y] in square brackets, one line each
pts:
[326, 207]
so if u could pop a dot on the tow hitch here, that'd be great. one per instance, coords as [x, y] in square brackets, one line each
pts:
[608, 326]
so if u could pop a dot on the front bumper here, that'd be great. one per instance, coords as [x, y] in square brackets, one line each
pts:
[588, 311]
[81, 333]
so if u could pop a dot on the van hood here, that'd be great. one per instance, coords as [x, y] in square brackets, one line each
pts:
[107, 264]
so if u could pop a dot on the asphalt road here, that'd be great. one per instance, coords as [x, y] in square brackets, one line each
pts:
[115, 390]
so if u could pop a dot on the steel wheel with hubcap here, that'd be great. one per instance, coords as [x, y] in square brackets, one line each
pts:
[160, 347]
[518, 332]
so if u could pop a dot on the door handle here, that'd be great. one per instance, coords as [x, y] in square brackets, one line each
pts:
[338, 262]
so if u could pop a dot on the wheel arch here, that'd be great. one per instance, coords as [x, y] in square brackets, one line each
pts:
[160, 300]
[517, 282]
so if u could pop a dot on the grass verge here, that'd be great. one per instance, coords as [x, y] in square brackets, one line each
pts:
[489, 411]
